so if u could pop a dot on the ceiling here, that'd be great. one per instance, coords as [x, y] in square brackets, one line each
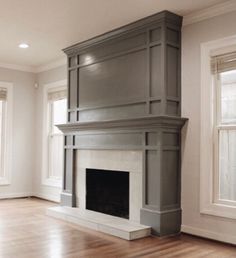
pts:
[51, 25]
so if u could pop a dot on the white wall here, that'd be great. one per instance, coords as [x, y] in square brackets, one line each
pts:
[192, 36]
[22, 167]
[43, 78]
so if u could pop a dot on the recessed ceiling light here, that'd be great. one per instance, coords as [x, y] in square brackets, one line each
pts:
[23, 45]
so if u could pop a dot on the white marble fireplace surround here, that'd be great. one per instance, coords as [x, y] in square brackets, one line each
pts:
[130, 161]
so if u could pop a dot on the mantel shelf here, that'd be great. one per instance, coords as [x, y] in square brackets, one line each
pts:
[132, 124]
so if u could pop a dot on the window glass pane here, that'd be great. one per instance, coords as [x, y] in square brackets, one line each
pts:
[56, 156]
[227, 168]
[59, 114]
[228, 97]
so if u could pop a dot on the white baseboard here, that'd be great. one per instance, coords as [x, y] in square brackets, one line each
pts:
[14, 195]
[231, 239]
[53, 198]
[49, 197]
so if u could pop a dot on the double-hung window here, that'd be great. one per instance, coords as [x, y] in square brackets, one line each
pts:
[3, 114]
[55, 113]
[6, 102]
[224, 72]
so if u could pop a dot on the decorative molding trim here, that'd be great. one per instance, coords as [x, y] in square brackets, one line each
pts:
[131, 123]
[210, 12]
[51, 65]
[48, 197]
[23, 68]
[209, 234]
[124, 30]
[35, 69]
[15, 195]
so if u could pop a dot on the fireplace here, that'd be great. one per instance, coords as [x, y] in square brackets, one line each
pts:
[107, 192]
[124, 114]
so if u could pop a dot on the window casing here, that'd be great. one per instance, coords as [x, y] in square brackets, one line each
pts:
[55, 110]
[212, 198]
[6, 90]
[57, 115]
[225, 132]
[3, 116]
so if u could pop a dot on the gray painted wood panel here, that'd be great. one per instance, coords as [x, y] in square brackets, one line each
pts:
[124, 93]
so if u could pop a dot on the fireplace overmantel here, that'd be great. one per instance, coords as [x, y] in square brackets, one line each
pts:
[128, 124]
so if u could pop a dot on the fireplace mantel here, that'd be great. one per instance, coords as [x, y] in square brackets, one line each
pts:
[130, 124]
[124, 93]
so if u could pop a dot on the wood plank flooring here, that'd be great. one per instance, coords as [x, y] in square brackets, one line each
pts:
[26, 232]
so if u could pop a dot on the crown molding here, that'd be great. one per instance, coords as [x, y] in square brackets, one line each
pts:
[210, 12]
[51, 65]
[23, 68]
[34, 69]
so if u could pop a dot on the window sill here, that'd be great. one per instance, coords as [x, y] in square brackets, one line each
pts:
[219, 210]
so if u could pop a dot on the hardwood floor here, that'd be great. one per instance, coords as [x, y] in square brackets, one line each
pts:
[26, 232]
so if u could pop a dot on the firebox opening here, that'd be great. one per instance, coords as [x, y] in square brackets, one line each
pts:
[107, 191]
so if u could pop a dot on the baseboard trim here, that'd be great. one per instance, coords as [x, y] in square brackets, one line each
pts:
[48, 197]
[14, 195]
[209, 234]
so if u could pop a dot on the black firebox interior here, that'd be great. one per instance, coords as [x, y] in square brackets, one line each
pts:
[107, 191]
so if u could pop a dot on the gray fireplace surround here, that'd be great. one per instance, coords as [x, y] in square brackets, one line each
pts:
[124, 93]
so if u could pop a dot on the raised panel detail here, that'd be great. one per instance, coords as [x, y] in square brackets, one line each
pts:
[155, 107]
[109, 113]
[172, 71]
[155, 67]
[152, 178]
[152, 139]
[155, 35]
[113, 47]
[170, 139]
[73, 90]
[172, 108]
[172, 35]
[108, 140]
[170, 178]
[114, 79]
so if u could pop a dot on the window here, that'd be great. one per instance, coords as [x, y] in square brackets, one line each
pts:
[55, 113]
[218, 128]
[3, 104]
[5, 131]
[224, 68]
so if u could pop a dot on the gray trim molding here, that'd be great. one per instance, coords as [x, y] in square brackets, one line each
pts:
[124, 94]
[133, 123]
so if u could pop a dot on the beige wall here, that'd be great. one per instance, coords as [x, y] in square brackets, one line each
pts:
[192, 36]
[26, 167]
[22, 167]
[43, 78]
